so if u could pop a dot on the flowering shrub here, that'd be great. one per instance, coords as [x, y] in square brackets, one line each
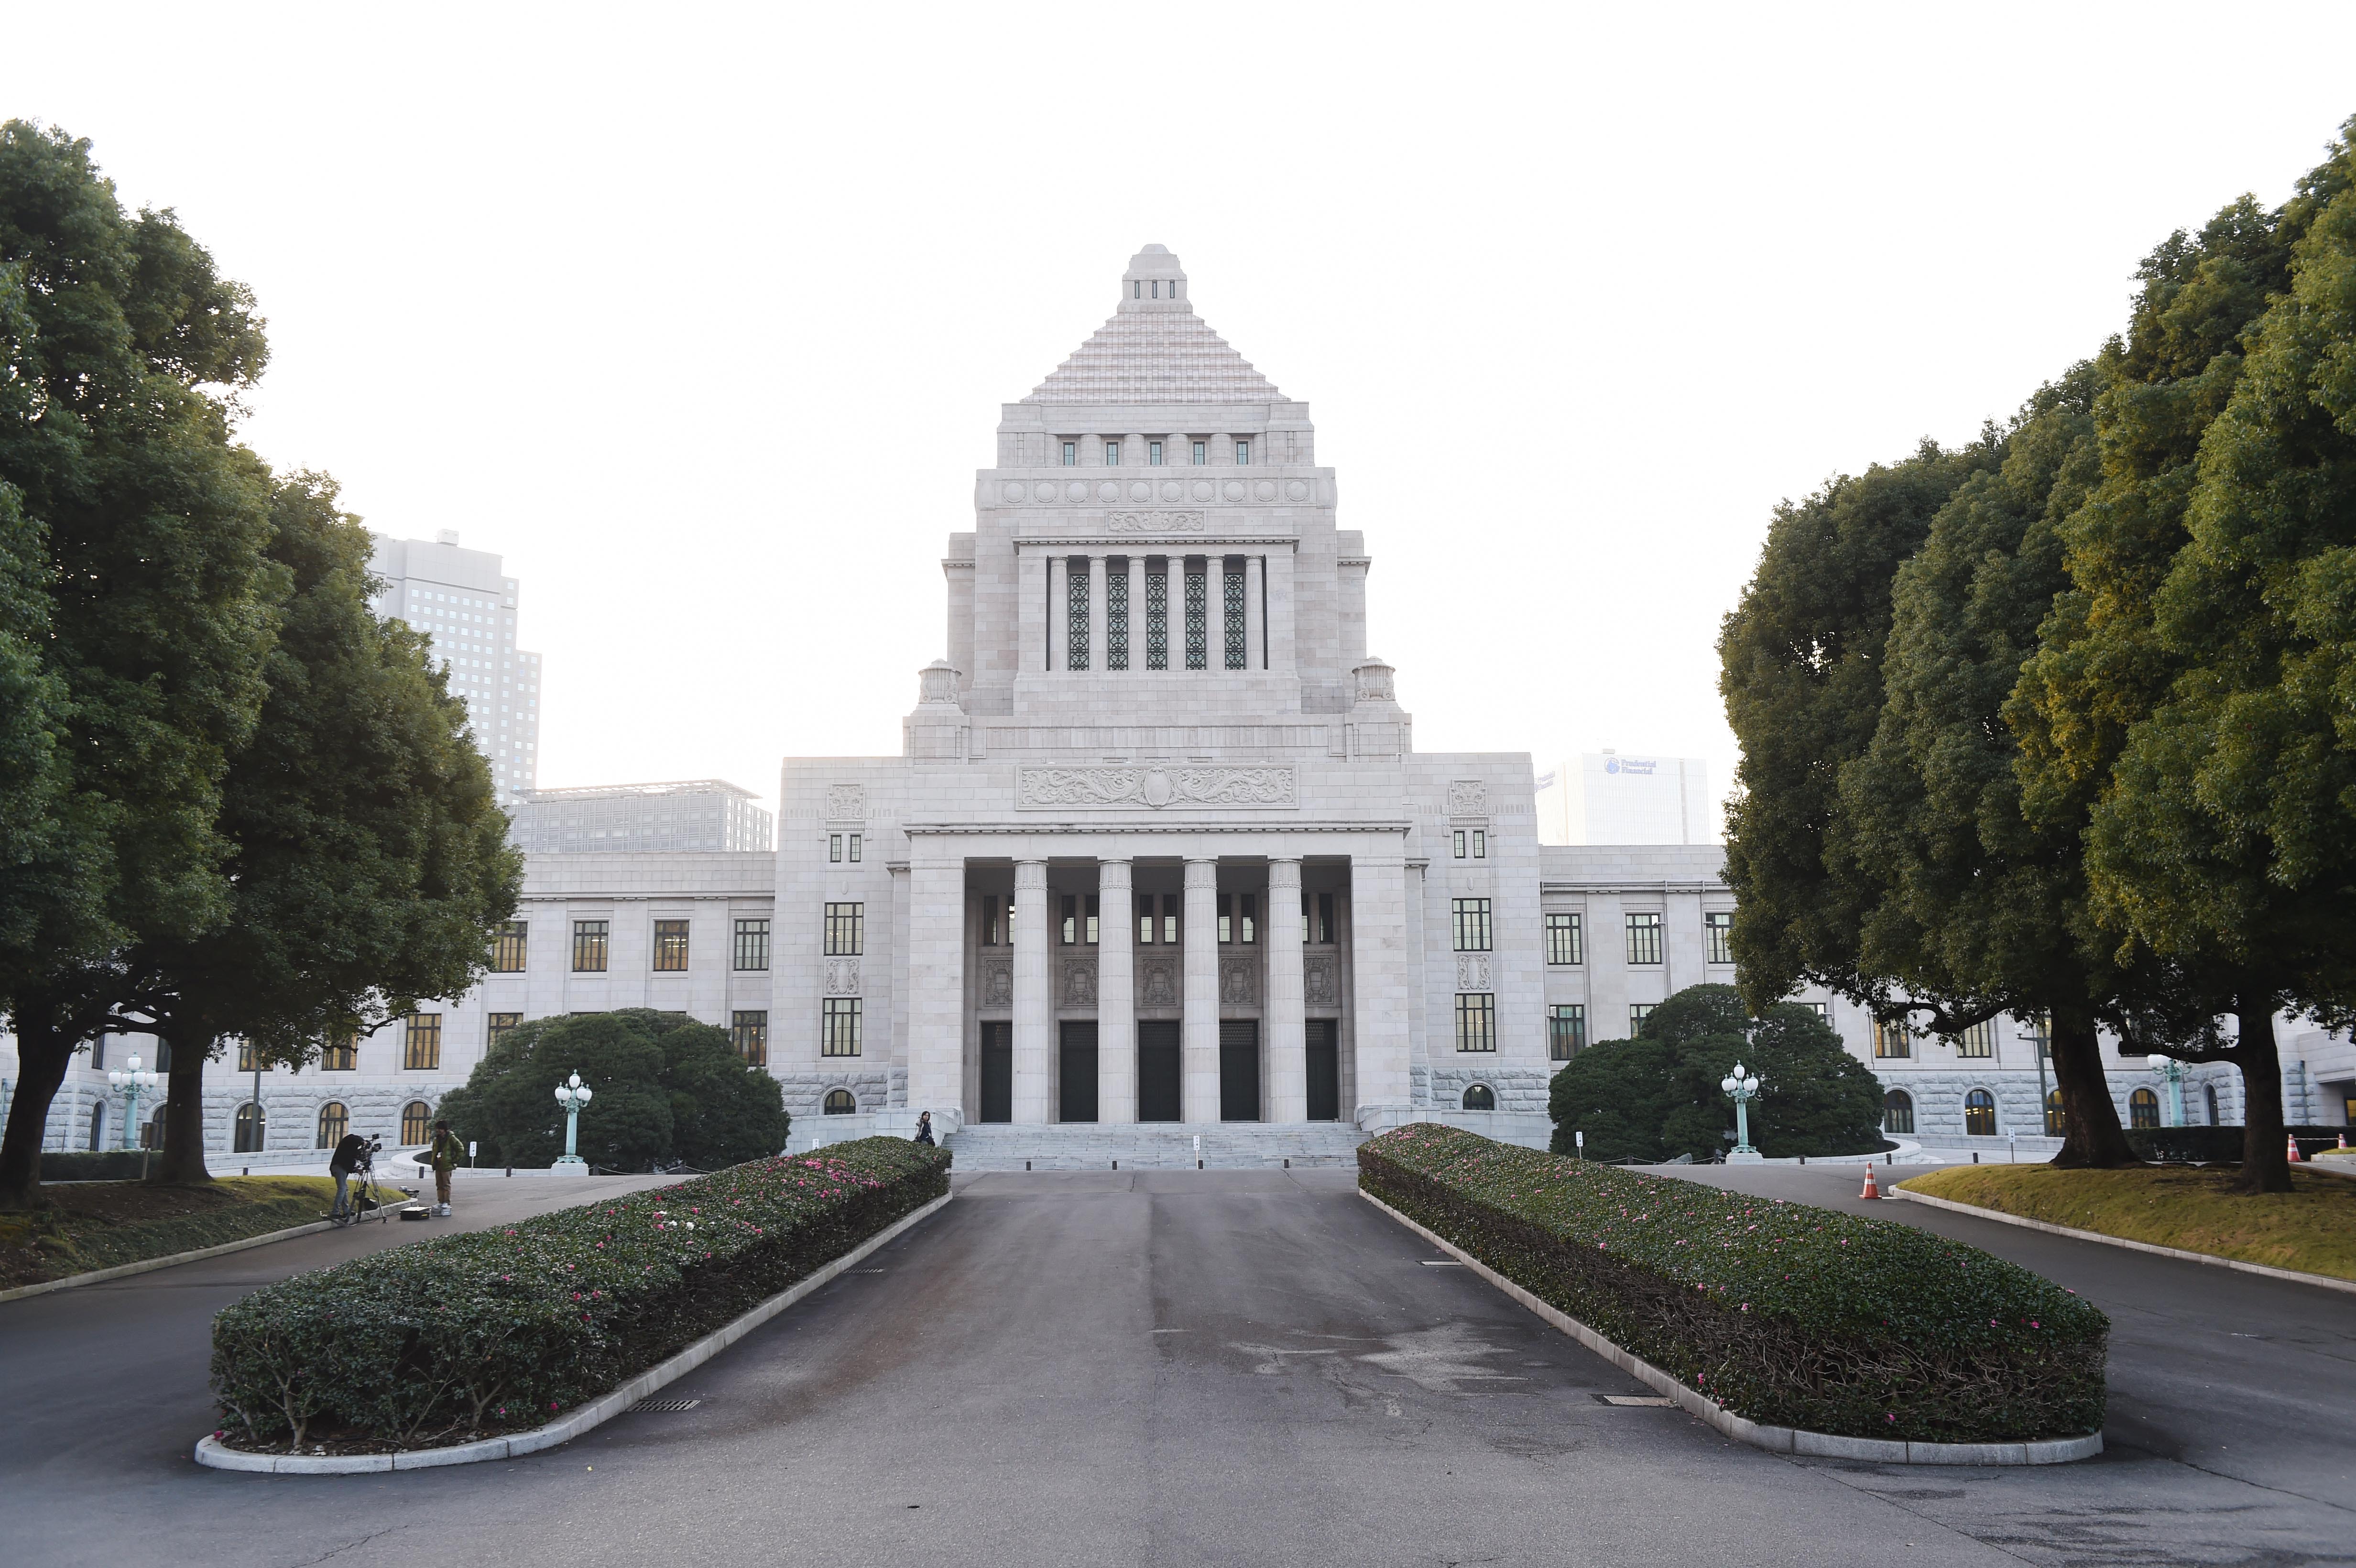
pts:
[499, 1329]
[1784, 1314]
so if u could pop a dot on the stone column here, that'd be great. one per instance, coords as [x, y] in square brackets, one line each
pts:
[1035, 1014]
[1096, 644]
[1133, 569]
[1199, 1033]
[1254, 595]
[935, 969]
[1115, 993]
[1058, 569]
[1287, 1041]
[1383, 979]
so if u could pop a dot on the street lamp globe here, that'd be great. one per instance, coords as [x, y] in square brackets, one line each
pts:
[131, 1079]
[573, 1094]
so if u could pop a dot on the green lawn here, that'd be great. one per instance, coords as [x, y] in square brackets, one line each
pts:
[2311, 1229]
[99, 1224]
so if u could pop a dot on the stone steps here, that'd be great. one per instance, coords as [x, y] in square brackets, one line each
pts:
[1156, 1146]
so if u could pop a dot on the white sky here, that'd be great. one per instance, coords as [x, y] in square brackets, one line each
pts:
[701, 316]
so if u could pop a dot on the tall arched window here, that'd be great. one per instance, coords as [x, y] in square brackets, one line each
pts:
[2053, 1128]
[2209, 1091]
[841, 1102]
[2143, 1109]
[1979, 1114]
[1898, 1112]
[334, 1122]
[152, 1134]
[98, 1126]
[416, 1124]
[1480, 1097]
[253, 1127]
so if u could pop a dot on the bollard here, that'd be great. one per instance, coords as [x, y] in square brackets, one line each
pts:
[1976, 1157]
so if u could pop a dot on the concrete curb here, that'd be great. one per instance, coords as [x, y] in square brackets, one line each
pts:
[2293, 1275]
[1774, 1439]
[596, 1412]
[120, 1270]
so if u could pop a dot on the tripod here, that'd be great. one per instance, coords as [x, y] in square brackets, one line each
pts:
[366, 1200]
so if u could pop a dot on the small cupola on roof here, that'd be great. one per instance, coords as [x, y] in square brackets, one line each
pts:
[1155, 350]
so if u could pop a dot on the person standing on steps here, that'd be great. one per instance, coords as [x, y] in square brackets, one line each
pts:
[923, 1126]
[445, 1152]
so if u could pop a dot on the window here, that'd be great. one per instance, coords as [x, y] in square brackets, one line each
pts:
[753, 943]
[1460, 842]
[670, 946]
[1243, 455]
[1979, 1114]
[1637, 1013]
[1979, 1041]
[1231, 597]
[1566, 1030]
[98, 1127]
[2054, 1126]
[1198, 614]
[1325, 918]
[1480, 1097]
[1071, 454]
[498, 1026]
[1471, 920]
[1202, 452]
[1173, 904]
[416, 1124]
[841, 1102]
[846, 930]
[1112, 454]
[2143, 1109]
[589, 946]
[839, 1026]
[1643, 939]
[1116, 613]
[508, 948]
[1480, 845]
[834, 848]
[152, 1134]
[2039, 1032]
[1238, 919]
[1562, 939]
[1157, 615]
[335, 1121]
[2215, 1120]
[421, 1049]
[1718, 936]
[1476, 1020]
[993, 921]
[340, 1054]
[1898, 1112]
[249, 1059]
[1145, 920]
[1076, 613]
[749, 1033]
[1891, 1039]
[1153, 454]
[252, 1128]
[854, 848]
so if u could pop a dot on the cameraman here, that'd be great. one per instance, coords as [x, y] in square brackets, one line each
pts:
[349, 1156]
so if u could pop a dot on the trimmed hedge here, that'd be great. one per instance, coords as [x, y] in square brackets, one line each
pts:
[108, 1165]
[498, 1331]
[2217, 1145]
[1784, 1314]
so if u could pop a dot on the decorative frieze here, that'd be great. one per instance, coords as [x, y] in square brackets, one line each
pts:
[1321, 979]
[1153, 522]
[997, 989]
[1154, 788]
[1468, 797]
[1473, 972]
[1080, 982]
[842, 976]
[846, 802]
[1157, 982]
[1239, 980]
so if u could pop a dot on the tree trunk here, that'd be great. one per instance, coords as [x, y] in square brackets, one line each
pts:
[2092, 1138]
[43, 1051]
[184, 1114]
[2266, 1154]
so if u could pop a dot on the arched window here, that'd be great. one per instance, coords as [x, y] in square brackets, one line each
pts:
[152, 1134]
[1979, 1114]
[98, 1126]
[1480, 1097]
[2143, 1109]
[334, 1122]
[841, 1102]
[253, 1127]
[1898, 1112]
[416, 1124]
[2053, 1128]
[2209, 1090]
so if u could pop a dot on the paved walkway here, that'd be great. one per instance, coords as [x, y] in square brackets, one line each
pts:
[1097, 1369]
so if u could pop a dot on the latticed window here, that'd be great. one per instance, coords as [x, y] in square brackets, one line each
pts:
[1566, 1030]
[498, 1026]
[1157, 617]
[1231, 595]
[1562, 939]
[749, 1033]
[994, 917]
[670, 946]
[416, 1123]
[2053, 1123]
[252, 1128]
[340, 1054]
[1979, 1114]
[335, 1121]
[1977, 1041]
[249, 1059]
[753, 943]
[1240, 919]
[1637, 1013]
[1472, 925]
[839, 1026]
[1898, 1112]
[508, 948]
[589, 946]
[1718, 936]
[846, 930]
[1117, 615]
[1643, 939]
[841, 1102]
[420, 1046]
[1476, 1020]
[1198, 616]
[2143, 1109]
[1890, 1038]
[1075, 614]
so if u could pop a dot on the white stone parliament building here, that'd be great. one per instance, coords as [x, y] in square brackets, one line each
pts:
[1157, 848]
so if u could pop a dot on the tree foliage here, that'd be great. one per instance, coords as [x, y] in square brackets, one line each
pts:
[1656, 1096]
[667, 1088]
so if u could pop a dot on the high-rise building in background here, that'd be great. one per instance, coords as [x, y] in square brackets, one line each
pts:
[461, 600]
[699, 814]
[1608, 797]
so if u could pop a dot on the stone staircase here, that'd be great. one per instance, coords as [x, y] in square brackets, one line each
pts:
[1156, 1146]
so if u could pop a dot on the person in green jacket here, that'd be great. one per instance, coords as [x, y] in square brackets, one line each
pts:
[445, 1151]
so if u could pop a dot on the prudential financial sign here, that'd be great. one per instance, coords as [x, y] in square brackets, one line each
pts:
[1629, 765]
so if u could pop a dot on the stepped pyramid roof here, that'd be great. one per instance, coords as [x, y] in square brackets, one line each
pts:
[1155, 350]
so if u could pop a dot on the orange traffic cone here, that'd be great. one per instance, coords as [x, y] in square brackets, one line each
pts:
[1871, 1190]
[2294, 1148]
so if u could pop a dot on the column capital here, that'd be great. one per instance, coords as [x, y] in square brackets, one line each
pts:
[1203, 871]
[1283, 870]
[1111, 872]
[1030, 874]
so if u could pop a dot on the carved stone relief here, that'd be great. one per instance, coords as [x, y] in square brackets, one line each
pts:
[1239, 980]
[1153, 522]
[1080, 982]
[1157, 983]
[842, 976]
[1473, 972]
[846, 802]
[997, 983]
[1468, 797]
[1155, 787]
[1321, 979]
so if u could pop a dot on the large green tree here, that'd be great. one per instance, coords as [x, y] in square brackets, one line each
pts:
[141, 523]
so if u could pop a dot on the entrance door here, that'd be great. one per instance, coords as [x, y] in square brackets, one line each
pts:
[1158, 1098]
[1325, 1069]
[1077, 1100]
[1239, 1070]
[998, 1072]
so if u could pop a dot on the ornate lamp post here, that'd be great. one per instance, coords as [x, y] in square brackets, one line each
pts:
[1745, 1089]
[130, 1079]
[573, 1095]
[2172, 1072]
